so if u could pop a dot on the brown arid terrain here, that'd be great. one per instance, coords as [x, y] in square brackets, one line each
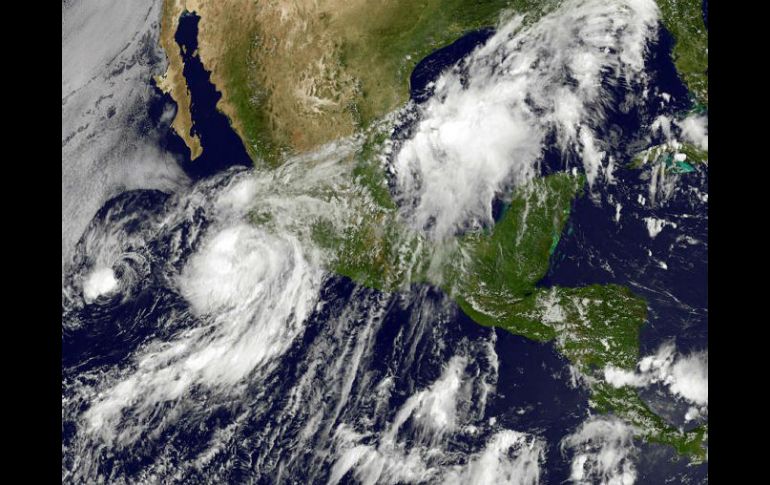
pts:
[173, 81]
[297, 74]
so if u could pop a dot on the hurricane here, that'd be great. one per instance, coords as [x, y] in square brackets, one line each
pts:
[209, 337]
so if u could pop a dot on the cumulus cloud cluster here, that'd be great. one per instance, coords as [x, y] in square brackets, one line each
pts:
[509, 458]
[603, 452]
[429, 416]
[695, 130]
[675, 132]
[484, 129]
[250, 288]
[106, 145]
[101, 281]
[686, 376]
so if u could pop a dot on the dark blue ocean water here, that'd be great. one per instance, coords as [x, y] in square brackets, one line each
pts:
[532, 376]
[596, 249]
[429, 69]
[115, 328]
[222, 147]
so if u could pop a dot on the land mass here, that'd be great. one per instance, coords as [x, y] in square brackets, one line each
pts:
[296, 75]
[493, 276]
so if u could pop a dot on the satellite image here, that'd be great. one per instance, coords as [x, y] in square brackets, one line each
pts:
[384, 242]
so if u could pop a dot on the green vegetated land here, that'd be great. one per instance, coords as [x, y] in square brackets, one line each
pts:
[351, 60]
[492, 274]
[684, 19]
[378, 56]
[384, 56]
[369, 52]
[665, 154]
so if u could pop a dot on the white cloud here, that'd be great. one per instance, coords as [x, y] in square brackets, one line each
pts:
[105, 97]
[662, 123]
[603, 452]
[251, 288]
[101, 281]
[619, 377]
[483, 132]
[434, 409]
[692, 413]
[509, 458]
[690, 378]
[655, 225]
[427, 418]
[686, 376]
[695, 130]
